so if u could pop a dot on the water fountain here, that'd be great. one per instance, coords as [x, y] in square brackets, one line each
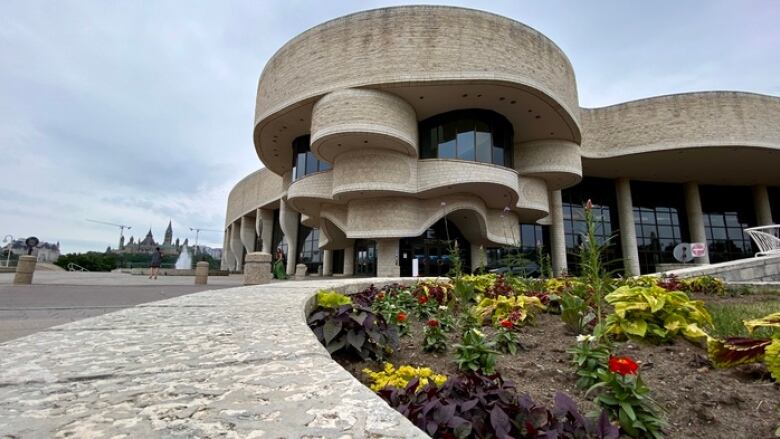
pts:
[184, 262]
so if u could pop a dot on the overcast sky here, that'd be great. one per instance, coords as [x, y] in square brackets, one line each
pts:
[138, 112]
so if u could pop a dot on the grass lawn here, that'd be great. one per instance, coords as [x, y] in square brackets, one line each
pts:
[728, 317]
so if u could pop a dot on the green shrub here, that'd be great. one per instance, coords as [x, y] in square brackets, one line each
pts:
[654, 314]
[332, 299]
[475, 354]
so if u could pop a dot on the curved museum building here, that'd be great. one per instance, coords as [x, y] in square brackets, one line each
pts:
[387, 133]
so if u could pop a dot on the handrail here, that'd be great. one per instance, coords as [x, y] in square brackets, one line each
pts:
[767, 239]
[75, 267]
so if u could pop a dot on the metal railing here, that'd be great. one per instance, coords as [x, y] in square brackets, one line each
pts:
[767, 238]
[75, 267]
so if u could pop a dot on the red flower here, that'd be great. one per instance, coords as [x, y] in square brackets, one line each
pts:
[623, 366]
[433, 323]
[422, 300]
[400, 317]
[507, 324]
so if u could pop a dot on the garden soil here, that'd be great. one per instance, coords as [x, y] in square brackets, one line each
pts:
[700, 401]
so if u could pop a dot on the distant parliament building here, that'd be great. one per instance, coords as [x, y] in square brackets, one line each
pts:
[387, 133]
[148, 244]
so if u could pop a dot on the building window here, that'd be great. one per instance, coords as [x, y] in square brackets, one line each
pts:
[531, 237]
[309, 248]
[728, 211]
[660, 222]
[774, 203]
[601, 192]
[473, 135]
[304, 161]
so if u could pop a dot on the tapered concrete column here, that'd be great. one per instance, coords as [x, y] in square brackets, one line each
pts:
[327, 262]
[266, 218]
[247, 234]
[236, 247]
[762, 206]
[349, 260]
[387, 258]
[478, 257]
[627, 228]
[557, 237]
[288, 221]
[696, 218]
[225, 264]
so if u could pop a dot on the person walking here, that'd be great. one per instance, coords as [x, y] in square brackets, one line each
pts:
[154, 266]
[279, 271]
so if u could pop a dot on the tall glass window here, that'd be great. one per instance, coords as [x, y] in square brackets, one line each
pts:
[304, 161]
[473, 135]
[728, 210]
[309, 248]
[660, 222]
[774, 203]
[531, 236]
[601, 192]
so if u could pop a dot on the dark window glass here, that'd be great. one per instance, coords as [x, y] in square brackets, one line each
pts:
[304, 161]
[308, 248]
[728, 210]
[447, 140]
[601, 192]
[656, 217]
[465, 139]
[300, 166]
[474, 135]
[484, 142]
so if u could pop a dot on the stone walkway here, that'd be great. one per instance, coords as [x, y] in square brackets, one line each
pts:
[235, 363]
[57, 298]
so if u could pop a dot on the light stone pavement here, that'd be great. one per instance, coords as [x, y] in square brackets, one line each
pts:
[236, 362]
[56, 298]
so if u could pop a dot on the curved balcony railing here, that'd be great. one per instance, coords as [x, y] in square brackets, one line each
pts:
[767, 238]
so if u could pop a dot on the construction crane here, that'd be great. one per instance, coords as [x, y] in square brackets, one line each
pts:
[122, 228]
[197, 231]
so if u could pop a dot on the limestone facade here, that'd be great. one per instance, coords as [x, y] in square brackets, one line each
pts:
[361, 86]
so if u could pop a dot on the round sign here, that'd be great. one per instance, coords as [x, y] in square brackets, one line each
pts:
[31, 241]
[682, 252]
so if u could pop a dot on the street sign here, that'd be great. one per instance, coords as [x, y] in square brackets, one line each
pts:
[698, 249]
[682, 252]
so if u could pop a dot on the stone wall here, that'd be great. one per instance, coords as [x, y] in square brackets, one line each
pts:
[762, 269]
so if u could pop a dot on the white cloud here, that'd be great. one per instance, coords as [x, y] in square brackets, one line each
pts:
[138, 112]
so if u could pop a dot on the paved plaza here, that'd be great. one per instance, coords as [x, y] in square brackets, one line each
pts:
[61, 297]
[235, 362]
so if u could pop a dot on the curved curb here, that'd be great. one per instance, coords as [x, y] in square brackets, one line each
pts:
[238, 362]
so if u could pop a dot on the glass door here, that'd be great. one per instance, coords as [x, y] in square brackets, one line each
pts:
[365, 258]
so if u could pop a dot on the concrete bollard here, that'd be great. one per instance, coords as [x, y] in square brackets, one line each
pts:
[201, 273]
[25, 269]
[257, 268]
[300, 271]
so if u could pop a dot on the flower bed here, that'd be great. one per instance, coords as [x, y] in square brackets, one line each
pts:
[587, 357]
[697, 399]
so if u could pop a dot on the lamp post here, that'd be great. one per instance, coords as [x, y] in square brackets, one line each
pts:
[10, 240]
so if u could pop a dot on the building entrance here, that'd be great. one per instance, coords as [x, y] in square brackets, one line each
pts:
[432, 250]
[365, 258]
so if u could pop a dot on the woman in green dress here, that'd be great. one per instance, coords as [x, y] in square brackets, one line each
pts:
[279, 271]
